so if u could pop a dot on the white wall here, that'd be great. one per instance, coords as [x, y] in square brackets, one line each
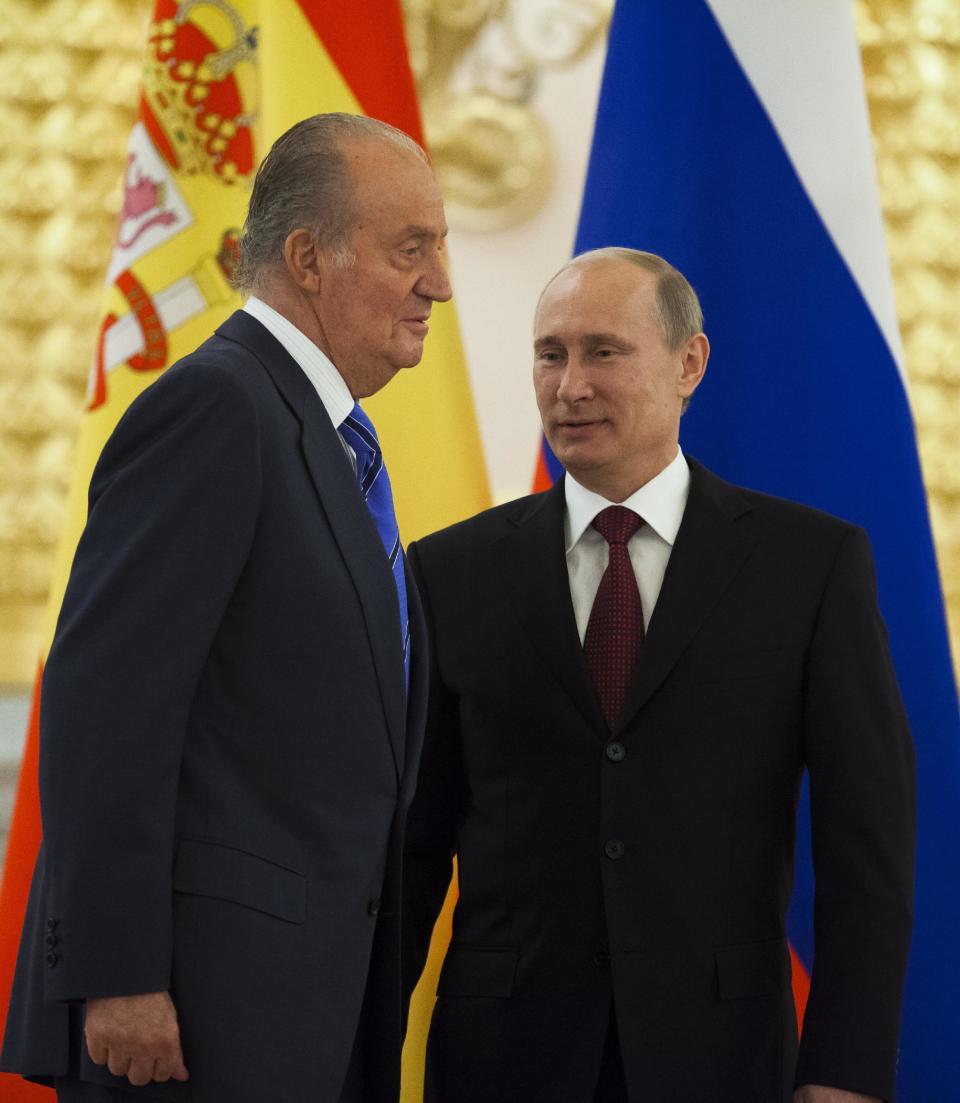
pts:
[498, 277]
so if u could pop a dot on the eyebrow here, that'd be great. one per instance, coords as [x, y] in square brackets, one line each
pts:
[586, 339]
[421, 231]
[604, 339]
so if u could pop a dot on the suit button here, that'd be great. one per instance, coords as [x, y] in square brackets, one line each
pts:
[614, 848]
[51, 924]
[52, 959]
[373, 907]
[51, 941]
[601, 957]
[616, 752]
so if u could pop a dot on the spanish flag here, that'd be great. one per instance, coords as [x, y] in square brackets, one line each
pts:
[220, 83]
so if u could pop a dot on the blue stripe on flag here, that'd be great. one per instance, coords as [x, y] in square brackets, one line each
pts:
[802, 398]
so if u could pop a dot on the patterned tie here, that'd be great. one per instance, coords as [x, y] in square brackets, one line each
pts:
[358, 431]
[614, 633]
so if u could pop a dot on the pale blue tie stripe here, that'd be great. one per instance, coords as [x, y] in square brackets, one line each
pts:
[374, 482]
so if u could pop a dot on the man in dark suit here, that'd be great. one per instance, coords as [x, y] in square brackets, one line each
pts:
[233, 705]
[630, 673]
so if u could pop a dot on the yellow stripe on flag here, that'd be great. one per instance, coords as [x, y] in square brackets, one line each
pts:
[302, 80]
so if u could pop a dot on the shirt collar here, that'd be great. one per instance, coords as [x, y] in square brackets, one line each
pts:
[317, 366]
[660, 502]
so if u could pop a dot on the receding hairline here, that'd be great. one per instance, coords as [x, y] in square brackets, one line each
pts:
[666, 278]
[309, 179]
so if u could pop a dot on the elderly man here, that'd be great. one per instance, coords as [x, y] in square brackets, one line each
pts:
[631, 672]
[232, 710]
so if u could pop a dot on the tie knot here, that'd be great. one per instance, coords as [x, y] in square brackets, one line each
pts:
[616, 524]
[361, 431]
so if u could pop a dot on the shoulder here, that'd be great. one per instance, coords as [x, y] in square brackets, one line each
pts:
[204, 406]
[483, 528]
[768, 513]
[217, 383]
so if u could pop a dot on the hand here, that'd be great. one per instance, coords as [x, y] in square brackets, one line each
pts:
[136, 1037]
[816, 1093]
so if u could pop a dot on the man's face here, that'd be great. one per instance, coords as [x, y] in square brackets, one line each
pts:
[609, 390]
[373, 312]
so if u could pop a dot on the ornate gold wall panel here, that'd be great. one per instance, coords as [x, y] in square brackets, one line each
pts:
[911, 60]
[69, 75]
[478, 65]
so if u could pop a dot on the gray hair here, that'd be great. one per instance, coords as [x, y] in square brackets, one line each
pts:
[305, 182]
[678, 309]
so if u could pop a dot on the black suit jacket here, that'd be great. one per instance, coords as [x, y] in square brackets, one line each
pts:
[653, 864]
[227, 750]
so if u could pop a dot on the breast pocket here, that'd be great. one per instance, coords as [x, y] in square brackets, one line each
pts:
[204, 868]
[733, 665]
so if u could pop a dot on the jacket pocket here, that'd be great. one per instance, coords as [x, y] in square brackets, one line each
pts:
[732, 665]
[478, 972]
[224, 873]
[751, 970]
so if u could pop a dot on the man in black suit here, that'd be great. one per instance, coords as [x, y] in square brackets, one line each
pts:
[630, 674]
[233, 705]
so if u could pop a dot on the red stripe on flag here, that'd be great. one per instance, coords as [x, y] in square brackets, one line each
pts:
[17, 873]
[371, 54]
[541, 476]
[801, 986]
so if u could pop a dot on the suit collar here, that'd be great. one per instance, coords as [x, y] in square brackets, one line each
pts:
[315, 364]
[660, 502]
[349, 519]
[710, 549]
[533, 568]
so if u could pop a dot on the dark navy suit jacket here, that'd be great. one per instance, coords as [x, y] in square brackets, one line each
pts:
[227, 748]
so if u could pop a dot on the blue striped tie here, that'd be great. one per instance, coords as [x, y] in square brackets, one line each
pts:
[358, 431]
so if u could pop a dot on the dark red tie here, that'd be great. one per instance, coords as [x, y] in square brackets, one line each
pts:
[615, 629]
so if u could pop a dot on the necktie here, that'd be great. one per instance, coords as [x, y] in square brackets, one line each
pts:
[358, 431]
[614, 633]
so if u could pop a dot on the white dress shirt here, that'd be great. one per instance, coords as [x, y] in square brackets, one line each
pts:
[660, 502]
[317, 366]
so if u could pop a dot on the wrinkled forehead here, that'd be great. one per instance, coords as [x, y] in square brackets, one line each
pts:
[380, 170]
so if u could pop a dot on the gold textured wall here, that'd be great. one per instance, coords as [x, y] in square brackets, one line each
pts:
[69, 74]
[69, 71]
[911, 60]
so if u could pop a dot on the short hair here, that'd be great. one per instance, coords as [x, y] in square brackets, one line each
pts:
[679, 314]
[305, 182]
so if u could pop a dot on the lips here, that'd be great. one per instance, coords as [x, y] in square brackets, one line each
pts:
[580, 423]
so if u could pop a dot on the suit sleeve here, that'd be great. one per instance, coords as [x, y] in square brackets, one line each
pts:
[436, 811]
[860, 760]
[172, 509]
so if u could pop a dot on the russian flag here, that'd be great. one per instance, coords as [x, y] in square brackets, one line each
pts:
[733, 139]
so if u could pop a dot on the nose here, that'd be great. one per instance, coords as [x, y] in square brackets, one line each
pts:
[434, 283]
[574, 383]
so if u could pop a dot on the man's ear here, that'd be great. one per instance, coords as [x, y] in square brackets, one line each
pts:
[693, 363]
[302, 259]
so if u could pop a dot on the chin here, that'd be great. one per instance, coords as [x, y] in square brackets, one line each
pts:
[411, 357]
[576, 459]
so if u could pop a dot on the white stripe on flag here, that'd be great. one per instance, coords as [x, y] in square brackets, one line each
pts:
[783, 46]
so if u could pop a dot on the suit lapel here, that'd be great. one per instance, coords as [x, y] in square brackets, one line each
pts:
[419, 670]
[533, 568]
[349, 519]
[709, 551]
